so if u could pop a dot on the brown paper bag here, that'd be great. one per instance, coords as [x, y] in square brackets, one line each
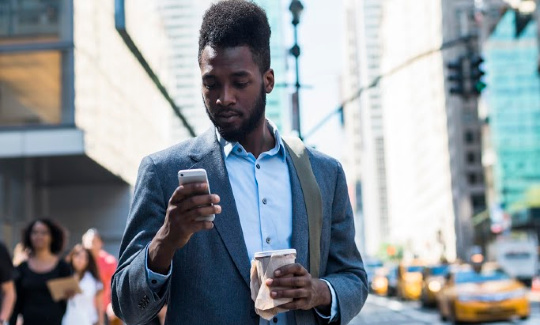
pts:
[262, 267]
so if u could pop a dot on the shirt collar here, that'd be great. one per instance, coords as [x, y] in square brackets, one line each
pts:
[278, 150]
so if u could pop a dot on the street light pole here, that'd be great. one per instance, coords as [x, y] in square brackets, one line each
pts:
[296, 8]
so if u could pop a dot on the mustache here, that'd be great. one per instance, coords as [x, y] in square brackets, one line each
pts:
[224, 112]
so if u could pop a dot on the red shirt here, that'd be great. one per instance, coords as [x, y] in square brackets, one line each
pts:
[106, 264]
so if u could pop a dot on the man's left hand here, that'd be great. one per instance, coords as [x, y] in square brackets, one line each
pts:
[294, 281]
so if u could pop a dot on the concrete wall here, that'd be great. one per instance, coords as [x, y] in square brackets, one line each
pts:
[117, 105]
[79, 207]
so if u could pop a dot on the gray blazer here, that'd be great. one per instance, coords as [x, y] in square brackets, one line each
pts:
[210, 279]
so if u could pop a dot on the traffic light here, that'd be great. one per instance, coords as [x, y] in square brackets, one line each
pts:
[477, 74]
[455, 77]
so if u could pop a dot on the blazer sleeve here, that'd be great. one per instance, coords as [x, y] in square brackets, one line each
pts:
[133, 300]
[345, 269]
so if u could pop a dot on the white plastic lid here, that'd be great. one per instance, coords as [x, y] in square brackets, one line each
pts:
[279, 252]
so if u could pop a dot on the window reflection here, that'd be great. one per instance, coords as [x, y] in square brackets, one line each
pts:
[30, 88]
[30, 18]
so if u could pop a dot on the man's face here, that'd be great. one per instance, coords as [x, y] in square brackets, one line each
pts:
[234, 90]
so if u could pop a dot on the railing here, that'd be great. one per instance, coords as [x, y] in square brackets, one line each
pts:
[30, 18]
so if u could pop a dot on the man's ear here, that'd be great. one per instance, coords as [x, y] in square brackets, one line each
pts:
[268, 79]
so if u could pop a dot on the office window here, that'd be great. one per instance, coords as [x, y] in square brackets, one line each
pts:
[472, 178]
[22, 18]
[31, 88]
[469, 137]
[478, 202]
[471, 158]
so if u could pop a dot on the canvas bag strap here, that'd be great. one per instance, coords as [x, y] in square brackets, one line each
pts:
[312, 199]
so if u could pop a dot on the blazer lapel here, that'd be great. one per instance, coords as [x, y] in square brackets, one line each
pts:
[208, 155]
[300, 233]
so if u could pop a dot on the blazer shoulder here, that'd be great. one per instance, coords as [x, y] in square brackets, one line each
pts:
[192, 148]
[321, 160]
[176, 151]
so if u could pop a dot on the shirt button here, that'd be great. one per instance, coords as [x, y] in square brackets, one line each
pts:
[258, 166]
[274, 319]
[268, 240]
[264, 201]
[154, 281]
[239, 150]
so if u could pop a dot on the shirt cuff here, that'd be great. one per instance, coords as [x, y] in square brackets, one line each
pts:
[155, 280]
[333, 308]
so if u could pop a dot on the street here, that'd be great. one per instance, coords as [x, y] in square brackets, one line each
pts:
[389, 311]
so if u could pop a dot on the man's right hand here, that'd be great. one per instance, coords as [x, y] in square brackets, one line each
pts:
[188, 202]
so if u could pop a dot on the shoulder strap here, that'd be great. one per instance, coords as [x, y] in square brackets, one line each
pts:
[312, 199]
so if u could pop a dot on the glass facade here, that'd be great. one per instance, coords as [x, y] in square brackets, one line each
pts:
[277, 103]
[513, 98]
[21, 18]
[36, 63]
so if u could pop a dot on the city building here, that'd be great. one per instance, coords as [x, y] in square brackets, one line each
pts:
[513, 114]
[182, 20]
[366, 165]
[78, 111]
[432, 137]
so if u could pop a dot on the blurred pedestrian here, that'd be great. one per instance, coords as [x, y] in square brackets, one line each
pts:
[7, 294]
[44, 241]
[106, 264]
[85, 308]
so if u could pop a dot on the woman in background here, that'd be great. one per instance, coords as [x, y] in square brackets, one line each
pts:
[43, 240]
[85, 308]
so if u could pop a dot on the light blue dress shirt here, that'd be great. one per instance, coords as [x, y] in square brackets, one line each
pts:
[262, 190]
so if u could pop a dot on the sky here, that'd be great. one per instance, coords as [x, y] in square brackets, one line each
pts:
[320, 36]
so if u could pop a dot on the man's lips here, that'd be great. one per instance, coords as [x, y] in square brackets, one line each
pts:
[228, 114]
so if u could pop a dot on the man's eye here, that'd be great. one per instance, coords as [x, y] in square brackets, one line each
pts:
[241, 84]
[209, 86]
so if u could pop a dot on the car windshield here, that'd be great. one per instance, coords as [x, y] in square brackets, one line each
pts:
[441, 270]
[415, 269]
[473, 277]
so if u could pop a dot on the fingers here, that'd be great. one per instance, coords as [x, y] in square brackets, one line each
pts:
[193, 201]
[290, 269]
[290, 282]
[188, 190]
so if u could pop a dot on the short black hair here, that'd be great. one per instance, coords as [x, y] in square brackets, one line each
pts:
[58, 235]
[234, 23]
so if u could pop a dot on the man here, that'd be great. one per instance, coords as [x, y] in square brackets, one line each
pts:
[201, 268]
[106, 264]
[7, 295]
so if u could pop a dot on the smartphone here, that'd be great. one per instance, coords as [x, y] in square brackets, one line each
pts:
[187, 176]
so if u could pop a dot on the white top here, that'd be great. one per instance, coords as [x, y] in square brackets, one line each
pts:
[278, 252]
[81, 308]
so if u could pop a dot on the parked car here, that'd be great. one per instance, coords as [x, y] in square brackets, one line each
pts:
[486, 294]
[433, 282]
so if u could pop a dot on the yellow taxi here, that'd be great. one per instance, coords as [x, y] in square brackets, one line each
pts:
[433, 282]
[409, 281]
[379, 284]
[485, 294]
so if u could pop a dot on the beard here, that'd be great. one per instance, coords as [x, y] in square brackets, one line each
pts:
[237, 134]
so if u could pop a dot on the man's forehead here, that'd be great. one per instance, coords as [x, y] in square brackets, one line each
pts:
[236, 58]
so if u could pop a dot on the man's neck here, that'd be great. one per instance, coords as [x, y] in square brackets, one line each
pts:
[259, 140]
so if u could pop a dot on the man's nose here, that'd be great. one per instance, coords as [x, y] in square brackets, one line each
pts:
[227, 97]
